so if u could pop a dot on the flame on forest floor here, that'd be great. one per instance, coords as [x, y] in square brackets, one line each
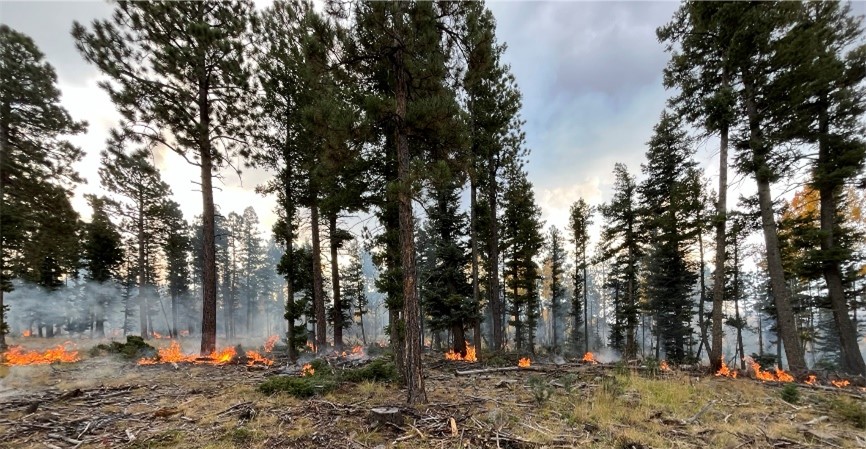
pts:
[254, 358]
[524, 362]
[307, 370]
[724, 371]
[26, 333]
[311, 347]
[18, 356]
[357, 351]
[840, 383]
[663, 366]
[271, 342]
[174, 354]
[469, 357]
[811, 380]
[589, 357]
[778, 375]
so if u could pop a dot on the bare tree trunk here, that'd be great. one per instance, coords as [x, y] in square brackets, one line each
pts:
[335, 284]
[411, 312]
[781, 297]
[142, 274]
[208, 287]
[715, 350]
[318, 291]
[497, 309]
[740, 348]
[473, 231]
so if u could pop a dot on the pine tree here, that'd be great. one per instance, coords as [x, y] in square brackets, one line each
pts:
[668, 201]
[622, 240]
[355, 284]
[103, 251]
[825, 47]
[177, 246]
[556, 258]
[522, 241]
[36, 160]
[580, 219]
[179, 78]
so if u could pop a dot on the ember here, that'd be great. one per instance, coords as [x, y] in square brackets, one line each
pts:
[840, 383]
[524, 362]
[469, 357]
[308, 370]
[254, 357]
[17, 356]
[811, 380]
[663, 366]
[724, 371]
[271, 342]
[589, 357]
[26, 333]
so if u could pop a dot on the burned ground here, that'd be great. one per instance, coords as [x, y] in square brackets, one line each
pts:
[107, 401]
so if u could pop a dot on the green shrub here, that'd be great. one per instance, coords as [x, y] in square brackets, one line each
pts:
[790, 394]
[134, 348]
[541, 390]
[379, 370]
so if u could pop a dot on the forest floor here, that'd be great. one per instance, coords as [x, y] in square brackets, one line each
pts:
[107, 401]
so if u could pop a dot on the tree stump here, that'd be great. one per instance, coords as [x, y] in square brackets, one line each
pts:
[382, 416]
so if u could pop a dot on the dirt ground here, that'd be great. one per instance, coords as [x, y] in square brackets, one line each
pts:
[107, 401]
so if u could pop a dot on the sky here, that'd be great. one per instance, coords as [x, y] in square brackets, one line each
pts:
[590, 74]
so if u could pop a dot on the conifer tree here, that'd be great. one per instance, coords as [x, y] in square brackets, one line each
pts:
[580, 219]
[178, 75]
[36, 160]
[176, 246]
[556, 258]
[103, 251]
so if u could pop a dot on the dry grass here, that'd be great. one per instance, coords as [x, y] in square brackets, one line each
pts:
[588, 407]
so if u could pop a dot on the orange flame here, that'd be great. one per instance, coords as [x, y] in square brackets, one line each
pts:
[724, 371]
[17, 356]
[469, 357]
[271, 342]
[254, 357]
[174, 354]
[663, 366]
[311, 347]
[308, 370]
[780, 375]
[524, 362]
[811, 380]
[589, 357]
[840, 383]
[26, 333]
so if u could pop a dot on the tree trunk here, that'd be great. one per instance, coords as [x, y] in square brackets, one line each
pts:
[473, 235]
[335, 284]
[585, 302]
[174, 305]
[785, 312]
[208, 283]
[740, 348]
[411, 313]
[497, 310]
[3, 345]
[715, 349]
[458, 344]
[4, 150]
[318, 290]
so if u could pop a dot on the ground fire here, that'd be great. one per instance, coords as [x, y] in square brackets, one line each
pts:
[524, 362]
[307, 370]
[840, 383]
[18, 356]
[724, 371]
[271, 342]
[589, 358]
[174, 354]
[469, 357]
[663, 366]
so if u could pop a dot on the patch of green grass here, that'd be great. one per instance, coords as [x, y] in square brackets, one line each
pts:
[849, 410]
[790, 394]
[299, 387]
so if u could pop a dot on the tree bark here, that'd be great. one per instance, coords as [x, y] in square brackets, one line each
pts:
[497, 311]
[715, 349]
[781, 298]
[335, 284]
[208, 287]
[411, 312]
[142, 273]
[852, 359]
[318, 290]
[473, 236]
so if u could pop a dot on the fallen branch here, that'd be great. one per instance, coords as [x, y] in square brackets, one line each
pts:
[470, 372]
